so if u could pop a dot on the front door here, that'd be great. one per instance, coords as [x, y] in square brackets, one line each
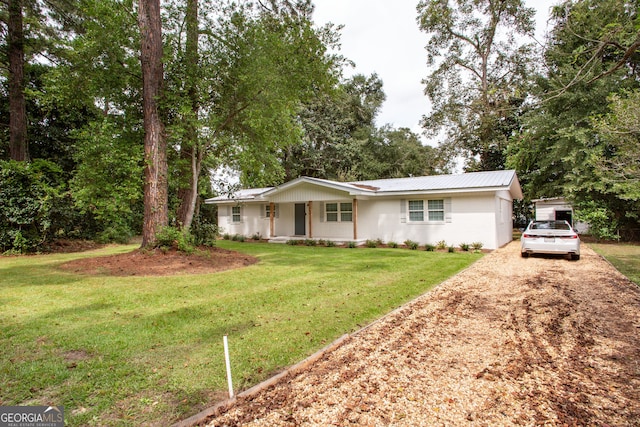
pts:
[300, 220]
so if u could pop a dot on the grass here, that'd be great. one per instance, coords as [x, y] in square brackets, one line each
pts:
[625, 257]
[129, 351]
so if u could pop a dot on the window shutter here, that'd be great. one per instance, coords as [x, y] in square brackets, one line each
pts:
[263, 211]
[403, 210]
[322, 215]
[447, 209]
[276, 209]
[229, 214]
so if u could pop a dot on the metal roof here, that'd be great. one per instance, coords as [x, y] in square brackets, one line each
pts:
[469, 180]
[473, 181]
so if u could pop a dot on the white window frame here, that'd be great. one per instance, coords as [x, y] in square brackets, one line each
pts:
[440, 210]
[423, 211]
[415, 208]
[235, 214]
[342, 213]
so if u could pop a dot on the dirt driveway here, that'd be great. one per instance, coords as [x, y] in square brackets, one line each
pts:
[510, 341]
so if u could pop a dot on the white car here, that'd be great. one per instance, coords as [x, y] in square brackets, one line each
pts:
[550, 237]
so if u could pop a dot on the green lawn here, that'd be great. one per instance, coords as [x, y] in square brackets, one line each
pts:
[128, 351]
[625, 257]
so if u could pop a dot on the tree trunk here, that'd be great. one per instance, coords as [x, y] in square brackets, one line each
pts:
[155, 144]
[190, 151]
[18, 148]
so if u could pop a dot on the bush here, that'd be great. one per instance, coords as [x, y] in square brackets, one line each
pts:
[175, 238]
[351, 245]
[476, 246]
[294, 242]
[464, 247]
[411, 244]
[204, 233]
[392, 244]
[451, 249]
[256, 237]
[372, 244]
[429, 247]
[331, 244]
[310, 242]
[441, 244]
[30, 196]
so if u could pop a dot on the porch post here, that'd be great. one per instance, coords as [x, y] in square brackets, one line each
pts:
[355, 219]
[310, 219]
[272, 215]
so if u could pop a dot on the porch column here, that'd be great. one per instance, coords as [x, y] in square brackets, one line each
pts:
[355, 219]
[272, 215]
[310, 219]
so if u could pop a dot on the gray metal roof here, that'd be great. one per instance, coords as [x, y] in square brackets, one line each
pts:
[469, 180]
[435, 183]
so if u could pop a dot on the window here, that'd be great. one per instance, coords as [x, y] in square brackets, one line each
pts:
[346, 212]
[436, 210]
[236, 215]
[416, 210]
[339, 212]
[267, 211]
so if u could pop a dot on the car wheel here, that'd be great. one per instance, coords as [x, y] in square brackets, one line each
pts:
[575, 257]
[524, 254]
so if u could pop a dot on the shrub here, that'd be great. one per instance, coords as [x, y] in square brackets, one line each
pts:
[331, 244]
[429, 247]
[411, 244]
[351, 245]
[256, 236]
[392, 244]
[310, 242]
[30, 196]
[451, 249]
[226, 236]
[238, 238]
[476, 246]
[294, 242]
[175, 238]
[464, 247]
[204, 233]
[322, 242]
[441, 244]
[372, 244]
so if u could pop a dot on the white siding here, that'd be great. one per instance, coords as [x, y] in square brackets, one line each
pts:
[252, 220]
[305, 192]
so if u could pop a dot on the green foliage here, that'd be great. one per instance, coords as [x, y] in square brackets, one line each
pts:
[476, 246]
[574, 142]
[108, 180]
[371, 243]
[441, 244]
[602, 222]
[351, 245]
[175, 238]
[30, 193]
[464, 247]
[429, 247]
[204, 233]
[451, 249]
[411, 244]
[480, 77]
[310, 242]
[392, 244]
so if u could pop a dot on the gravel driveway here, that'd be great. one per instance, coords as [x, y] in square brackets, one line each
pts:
[509, 341]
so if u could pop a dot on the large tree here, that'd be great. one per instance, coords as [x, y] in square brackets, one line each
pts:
[591, 54]
[480, 76]
[18, 148]
[155, 143]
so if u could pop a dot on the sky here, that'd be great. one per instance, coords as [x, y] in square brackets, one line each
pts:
[382, 36]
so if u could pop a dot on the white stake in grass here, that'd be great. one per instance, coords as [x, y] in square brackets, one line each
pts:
[228, 363]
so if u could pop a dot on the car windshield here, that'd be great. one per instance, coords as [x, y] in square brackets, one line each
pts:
[549, 225]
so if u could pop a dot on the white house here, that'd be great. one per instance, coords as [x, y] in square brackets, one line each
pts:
[463, 208]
